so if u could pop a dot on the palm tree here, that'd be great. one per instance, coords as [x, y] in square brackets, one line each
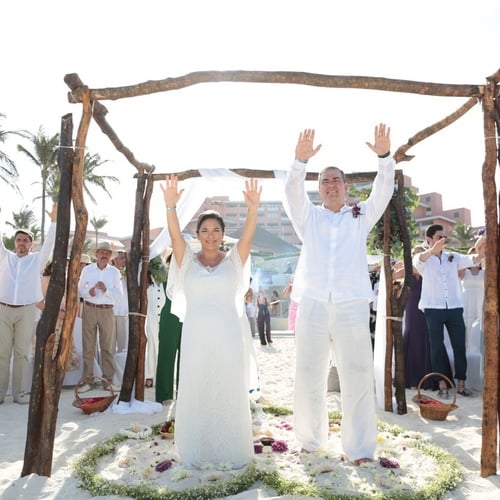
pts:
[8, 171]
[463, 235]
[98, 224]
[24, 219]
[44, 155]
[90, 163]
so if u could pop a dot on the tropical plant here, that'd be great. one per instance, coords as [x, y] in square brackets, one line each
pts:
[24, 219]
[8, 170]
[376, 236]
[462, 236]
[90, 178]
[98, 223]
[44, 155]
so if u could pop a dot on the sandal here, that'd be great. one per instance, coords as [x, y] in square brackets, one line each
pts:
[148, 382]
[465, 392]
[361, 461]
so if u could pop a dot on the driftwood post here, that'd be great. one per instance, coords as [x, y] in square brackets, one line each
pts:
[137, 298]
[48, 372]
[49, 369]
[399, 300]
[143, 296]
[489, 447]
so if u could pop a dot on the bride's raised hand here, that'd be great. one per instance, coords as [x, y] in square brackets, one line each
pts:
[171, 192]
[252, 193]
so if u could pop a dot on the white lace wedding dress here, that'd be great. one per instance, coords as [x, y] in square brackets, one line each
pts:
[212, 417]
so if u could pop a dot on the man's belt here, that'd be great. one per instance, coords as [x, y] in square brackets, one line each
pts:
[98, 306]
[12, 305]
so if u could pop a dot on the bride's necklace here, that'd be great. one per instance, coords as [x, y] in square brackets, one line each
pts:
[211, 263]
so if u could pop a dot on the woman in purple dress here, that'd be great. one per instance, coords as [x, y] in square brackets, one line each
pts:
[416, 338]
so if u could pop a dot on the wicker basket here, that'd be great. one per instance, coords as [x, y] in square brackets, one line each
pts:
[431, 408]
[96, 403]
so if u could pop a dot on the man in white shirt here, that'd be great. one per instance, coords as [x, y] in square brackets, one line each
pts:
[99, 286]
[333, 290]
[442, 302]
[20, 289]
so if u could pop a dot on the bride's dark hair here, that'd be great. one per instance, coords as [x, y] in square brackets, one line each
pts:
[210, 214]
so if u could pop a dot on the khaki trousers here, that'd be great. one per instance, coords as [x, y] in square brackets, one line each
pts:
[16, 334]
[96, 320]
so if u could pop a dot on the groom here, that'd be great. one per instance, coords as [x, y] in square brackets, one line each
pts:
[332, 287]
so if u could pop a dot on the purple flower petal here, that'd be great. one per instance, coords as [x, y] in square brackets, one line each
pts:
[279, 445]
[257, 448]
[163, 466]
[388, 463]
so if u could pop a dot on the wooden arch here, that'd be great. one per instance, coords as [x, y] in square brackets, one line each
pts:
[49, 371]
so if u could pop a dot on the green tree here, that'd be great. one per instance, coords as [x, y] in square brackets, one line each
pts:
[24, 219]
[44, 155]
[8, 170]
[98, 223]
[90, 178]
[376, 236]
[462, 236]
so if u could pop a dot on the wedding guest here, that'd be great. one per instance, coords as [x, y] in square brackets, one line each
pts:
[332, 287]
[212, 417]
[250, 310]
[473, 290]
[169, 349]
[263, 319]
[416, 345]
[442, 302]
[120, 307]
[100, 286]
[292, 306]
[157, 276]
[20, 290]
[274, 305]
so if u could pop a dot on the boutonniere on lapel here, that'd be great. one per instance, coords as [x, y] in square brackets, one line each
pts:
[356, 211]
[450, 258]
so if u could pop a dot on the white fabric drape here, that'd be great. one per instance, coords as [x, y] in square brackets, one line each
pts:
[380, 342]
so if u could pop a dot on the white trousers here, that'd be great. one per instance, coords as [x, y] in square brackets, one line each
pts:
[343, 327]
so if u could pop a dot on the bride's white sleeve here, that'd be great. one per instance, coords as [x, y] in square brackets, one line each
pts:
[175, 283]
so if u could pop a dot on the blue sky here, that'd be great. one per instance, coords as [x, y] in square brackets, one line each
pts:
[229, 125]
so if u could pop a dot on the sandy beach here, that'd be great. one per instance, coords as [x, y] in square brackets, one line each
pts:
[459, 434]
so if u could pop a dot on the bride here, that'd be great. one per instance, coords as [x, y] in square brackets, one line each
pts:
[212, 417]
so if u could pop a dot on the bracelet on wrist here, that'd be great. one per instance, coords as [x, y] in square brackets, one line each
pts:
[173, 207]
[385, 155]
[301, 161]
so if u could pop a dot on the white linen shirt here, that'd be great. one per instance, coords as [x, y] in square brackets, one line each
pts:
[332, 265]
[111, 278]
[121, 303]
[441, 286]
[20, 277]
